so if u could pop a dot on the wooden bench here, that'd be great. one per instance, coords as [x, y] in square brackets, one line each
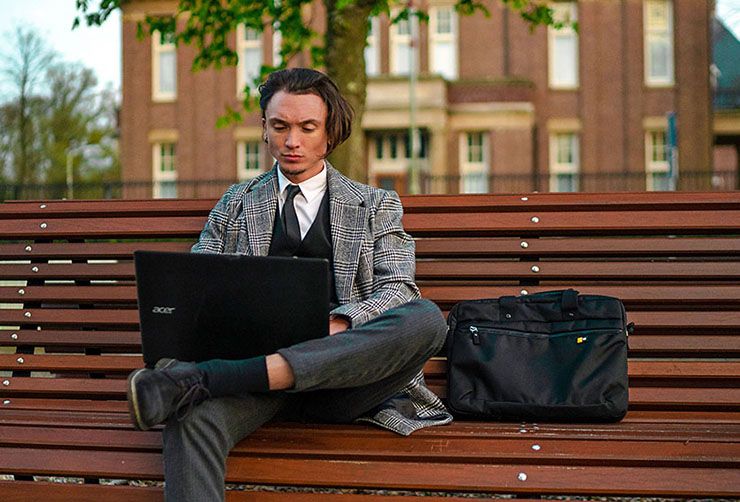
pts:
[70, 338]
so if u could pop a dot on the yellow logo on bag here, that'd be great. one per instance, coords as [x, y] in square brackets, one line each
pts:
[581, 339]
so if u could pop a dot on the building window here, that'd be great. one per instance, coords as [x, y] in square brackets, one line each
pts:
[164, 173]
[563, 47]
[401, 49]
[443, 41]
[656, 161]
[474, 166]
[564, 162]
[393, 146]
[249, 49]
[164, 67]
[658, 27]
[249, 159]
[372, 49]
[397, 145]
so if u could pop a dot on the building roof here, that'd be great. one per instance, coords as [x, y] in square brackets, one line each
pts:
[726, 54]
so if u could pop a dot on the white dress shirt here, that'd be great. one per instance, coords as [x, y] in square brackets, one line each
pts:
[307, 202]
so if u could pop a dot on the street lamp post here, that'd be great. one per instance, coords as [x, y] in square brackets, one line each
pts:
[413, 183]
[72, 151]
[70, 174]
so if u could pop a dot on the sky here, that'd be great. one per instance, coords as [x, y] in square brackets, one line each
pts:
[99, 48]
[96, 47]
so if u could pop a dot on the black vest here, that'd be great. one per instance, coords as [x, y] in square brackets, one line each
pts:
[316, 243]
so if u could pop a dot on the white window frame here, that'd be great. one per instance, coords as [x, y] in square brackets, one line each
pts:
[399, 40]
[448, 69]
[254, 42]
[662, 32]
[168, 160]
[244, 173]
[372, 48]
[566, 12]
[474, 174]
[558, 167]
[158, 49]
[656, 166]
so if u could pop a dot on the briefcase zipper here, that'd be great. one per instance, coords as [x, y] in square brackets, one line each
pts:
[475, 333]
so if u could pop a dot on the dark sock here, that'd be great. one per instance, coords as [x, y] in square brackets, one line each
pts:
[229, 378]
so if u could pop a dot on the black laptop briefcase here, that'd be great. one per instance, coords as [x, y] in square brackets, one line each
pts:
[552, 356]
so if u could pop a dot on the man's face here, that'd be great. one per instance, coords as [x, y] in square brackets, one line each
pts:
[295, 128]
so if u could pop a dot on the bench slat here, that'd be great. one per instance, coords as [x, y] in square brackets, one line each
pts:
[656, 397]
[445, 269]
[564, 223]
[106, 208]
[457, 247]
[678, 321]
[130, 340]
[664, 398]
[666, 452]
[69, 294]
[696, 345]
[95, 228]
[698, 370]
[23, 491]
[499, 478]
[663, 294]
[573, 223]
[631, 295]
[579, 270]
[614, 201]
[39, 271]
[85, 250]
[425, 247]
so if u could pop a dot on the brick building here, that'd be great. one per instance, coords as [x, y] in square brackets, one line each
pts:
[499, 107]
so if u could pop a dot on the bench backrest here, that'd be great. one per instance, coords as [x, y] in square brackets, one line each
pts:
[68, 311]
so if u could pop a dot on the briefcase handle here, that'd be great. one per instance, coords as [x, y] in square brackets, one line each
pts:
[568, 302]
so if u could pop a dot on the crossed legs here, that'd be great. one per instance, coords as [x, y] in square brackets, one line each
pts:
[336, 379]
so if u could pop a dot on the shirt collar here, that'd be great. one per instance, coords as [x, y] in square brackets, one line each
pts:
[311, 188]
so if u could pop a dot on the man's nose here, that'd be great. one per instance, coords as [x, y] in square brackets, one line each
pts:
[292, 140]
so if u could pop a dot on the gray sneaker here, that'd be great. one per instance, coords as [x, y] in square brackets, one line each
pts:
[171, 388]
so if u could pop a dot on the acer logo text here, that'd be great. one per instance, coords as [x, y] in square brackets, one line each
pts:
[163, 310]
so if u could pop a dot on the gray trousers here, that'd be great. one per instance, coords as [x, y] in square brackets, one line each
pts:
[337, 379]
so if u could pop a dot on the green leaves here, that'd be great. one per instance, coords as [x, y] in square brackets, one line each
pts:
[537, 12]
[98, 17]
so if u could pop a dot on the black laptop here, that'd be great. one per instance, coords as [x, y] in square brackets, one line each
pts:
[195, 307]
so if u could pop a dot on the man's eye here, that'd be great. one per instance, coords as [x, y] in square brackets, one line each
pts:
[309, 129]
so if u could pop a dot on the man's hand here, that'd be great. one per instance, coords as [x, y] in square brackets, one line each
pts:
[337, 324]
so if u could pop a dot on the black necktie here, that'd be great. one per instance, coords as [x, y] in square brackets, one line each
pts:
[290, 219]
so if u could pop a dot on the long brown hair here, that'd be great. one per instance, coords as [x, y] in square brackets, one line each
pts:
[307, 81]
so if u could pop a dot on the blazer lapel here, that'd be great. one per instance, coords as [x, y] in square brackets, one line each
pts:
[260, 206]
[348, 220]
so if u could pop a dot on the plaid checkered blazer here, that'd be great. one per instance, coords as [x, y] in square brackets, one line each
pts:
[374, 265]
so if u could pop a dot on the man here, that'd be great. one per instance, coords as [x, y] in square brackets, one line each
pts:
[381, 333]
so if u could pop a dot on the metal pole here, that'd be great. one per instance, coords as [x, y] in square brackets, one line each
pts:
[70, 176]
[672, 153]
[413, 182]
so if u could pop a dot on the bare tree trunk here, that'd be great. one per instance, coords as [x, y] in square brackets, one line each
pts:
[24, 69]
[346, 37]
[22, 167]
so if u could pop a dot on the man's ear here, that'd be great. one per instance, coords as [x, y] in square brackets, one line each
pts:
[264, 130]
